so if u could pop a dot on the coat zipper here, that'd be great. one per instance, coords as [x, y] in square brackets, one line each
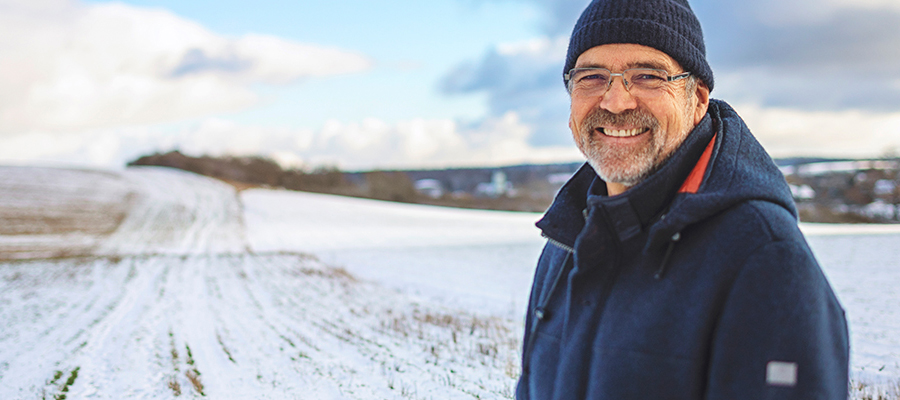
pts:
[539, 312]
[557, 243]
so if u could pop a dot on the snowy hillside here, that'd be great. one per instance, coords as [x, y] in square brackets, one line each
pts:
[172, 304]
[51, 212]
[477, 260]
[154, 283]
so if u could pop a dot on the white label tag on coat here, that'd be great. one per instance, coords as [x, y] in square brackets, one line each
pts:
[781, 373]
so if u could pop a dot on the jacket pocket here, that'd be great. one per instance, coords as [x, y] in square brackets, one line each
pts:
[544, 364]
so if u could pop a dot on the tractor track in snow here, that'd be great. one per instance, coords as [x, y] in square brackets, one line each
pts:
[142, 284]
[171, 304]
[257, 326]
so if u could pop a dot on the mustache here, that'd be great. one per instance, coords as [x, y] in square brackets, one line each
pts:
[636, 117]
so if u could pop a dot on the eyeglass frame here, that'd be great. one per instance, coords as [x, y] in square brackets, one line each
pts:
[569, 85]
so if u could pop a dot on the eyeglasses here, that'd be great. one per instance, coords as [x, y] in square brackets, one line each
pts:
[642, 82]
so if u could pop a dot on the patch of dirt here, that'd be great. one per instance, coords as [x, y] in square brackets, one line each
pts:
[241, 186]
[86, 216]
[46, 212]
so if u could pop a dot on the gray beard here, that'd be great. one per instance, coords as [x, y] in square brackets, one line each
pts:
[611, 164]
[628, 168]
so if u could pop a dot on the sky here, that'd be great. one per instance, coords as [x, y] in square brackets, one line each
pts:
[378, 84]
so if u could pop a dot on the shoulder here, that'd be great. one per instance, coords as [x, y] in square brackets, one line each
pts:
[751, 240]
[755, 223]
[769, 249]
[767, 264]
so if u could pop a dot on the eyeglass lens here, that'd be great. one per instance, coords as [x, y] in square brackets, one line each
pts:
[639, 81]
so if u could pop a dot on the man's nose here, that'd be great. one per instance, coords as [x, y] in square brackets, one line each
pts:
[618, 99]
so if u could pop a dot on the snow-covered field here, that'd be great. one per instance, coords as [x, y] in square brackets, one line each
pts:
[155, 283]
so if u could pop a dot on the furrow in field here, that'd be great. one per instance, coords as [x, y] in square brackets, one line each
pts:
[178, 213]
[56, 306]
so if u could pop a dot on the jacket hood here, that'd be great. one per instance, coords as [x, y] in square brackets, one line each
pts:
[739, 170]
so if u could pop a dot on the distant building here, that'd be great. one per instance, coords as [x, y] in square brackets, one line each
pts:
[559, 179]
[884, 186]
[879, 210]
[430, 187]
[498, 186]
[500, 183]
[802, 192]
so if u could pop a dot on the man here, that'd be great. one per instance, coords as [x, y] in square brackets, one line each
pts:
[674, 267]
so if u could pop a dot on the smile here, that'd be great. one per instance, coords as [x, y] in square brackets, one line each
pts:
[622, 132]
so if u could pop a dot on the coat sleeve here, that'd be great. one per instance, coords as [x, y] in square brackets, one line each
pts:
[782, 333]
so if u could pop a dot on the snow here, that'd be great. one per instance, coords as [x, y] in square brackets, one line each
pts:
[39, 225]
[277, 294]
[474, 259]
[864, 271]
[178, 212]
[175, 293]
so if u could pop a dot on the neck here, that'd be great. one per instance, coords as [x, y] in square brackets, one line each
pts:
[614, 188]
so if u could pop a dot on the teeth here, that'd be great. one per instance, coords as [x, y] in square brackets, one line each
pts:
[622, 132]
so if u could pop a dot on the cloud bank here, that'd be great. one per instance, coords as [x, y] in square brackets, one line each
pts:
[802, 54]
[91, 83]
[805, 54]
[524, 78]
[71, 66]
[801, 61]
[367, 144]
[100, 85]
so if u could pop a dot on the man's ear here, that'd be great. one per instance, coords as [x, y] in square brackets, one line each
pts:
[701, 96]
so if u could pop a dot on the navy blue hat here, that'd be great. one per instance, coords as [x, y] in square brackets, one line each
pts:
[669, 26]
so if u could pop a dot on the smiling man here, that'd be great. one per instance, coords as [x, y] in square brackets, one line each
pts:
[674, 267]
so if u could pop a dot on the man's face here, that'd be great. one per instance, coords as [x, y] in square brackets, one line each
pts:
[624, 137]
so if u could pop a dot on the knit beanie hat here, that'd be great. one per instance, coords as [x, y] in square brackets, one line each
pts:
[669, 26]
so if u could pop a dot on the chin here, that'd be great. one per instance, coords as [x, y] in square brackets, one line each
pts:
[626, 178]
[628, 171]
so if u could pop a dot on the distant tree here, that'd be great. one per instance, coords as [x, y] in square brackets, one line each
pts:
[392, 186]
[321, 180]
[253, 169]
[259, 170]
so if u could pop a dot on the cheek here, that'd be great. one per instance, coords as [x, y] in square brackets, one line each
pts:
[673, 114]
[578, 111]
[575, 118]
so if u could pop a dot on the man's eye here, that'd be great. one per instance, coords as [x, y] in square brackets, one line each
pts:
[593, 78]
[647, 78]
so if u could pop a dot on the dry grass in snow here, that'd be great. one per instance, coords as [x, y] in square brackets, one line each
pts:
[147, 284]
[237, 326]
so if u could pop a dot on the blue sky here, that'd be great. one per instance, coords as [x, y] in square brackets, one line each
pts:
[412, 44]
[410, 47]
[406, 84]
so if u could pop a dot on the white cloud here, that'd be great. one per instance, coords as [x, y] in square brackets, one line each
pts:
[786, 132]
[803, 61]
[543, 49]
[369, 144]
[426, 143]
[217, 137]
[522, 77]
[93, 148]
[69, 66]
[421, 143]
[278, 61]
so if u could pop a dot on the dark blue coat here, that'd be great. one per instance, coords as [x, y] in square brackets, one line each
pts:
[658, 294]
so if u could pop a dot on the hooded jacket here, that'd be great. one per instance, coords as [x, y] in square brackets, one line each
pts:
[694, 284]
